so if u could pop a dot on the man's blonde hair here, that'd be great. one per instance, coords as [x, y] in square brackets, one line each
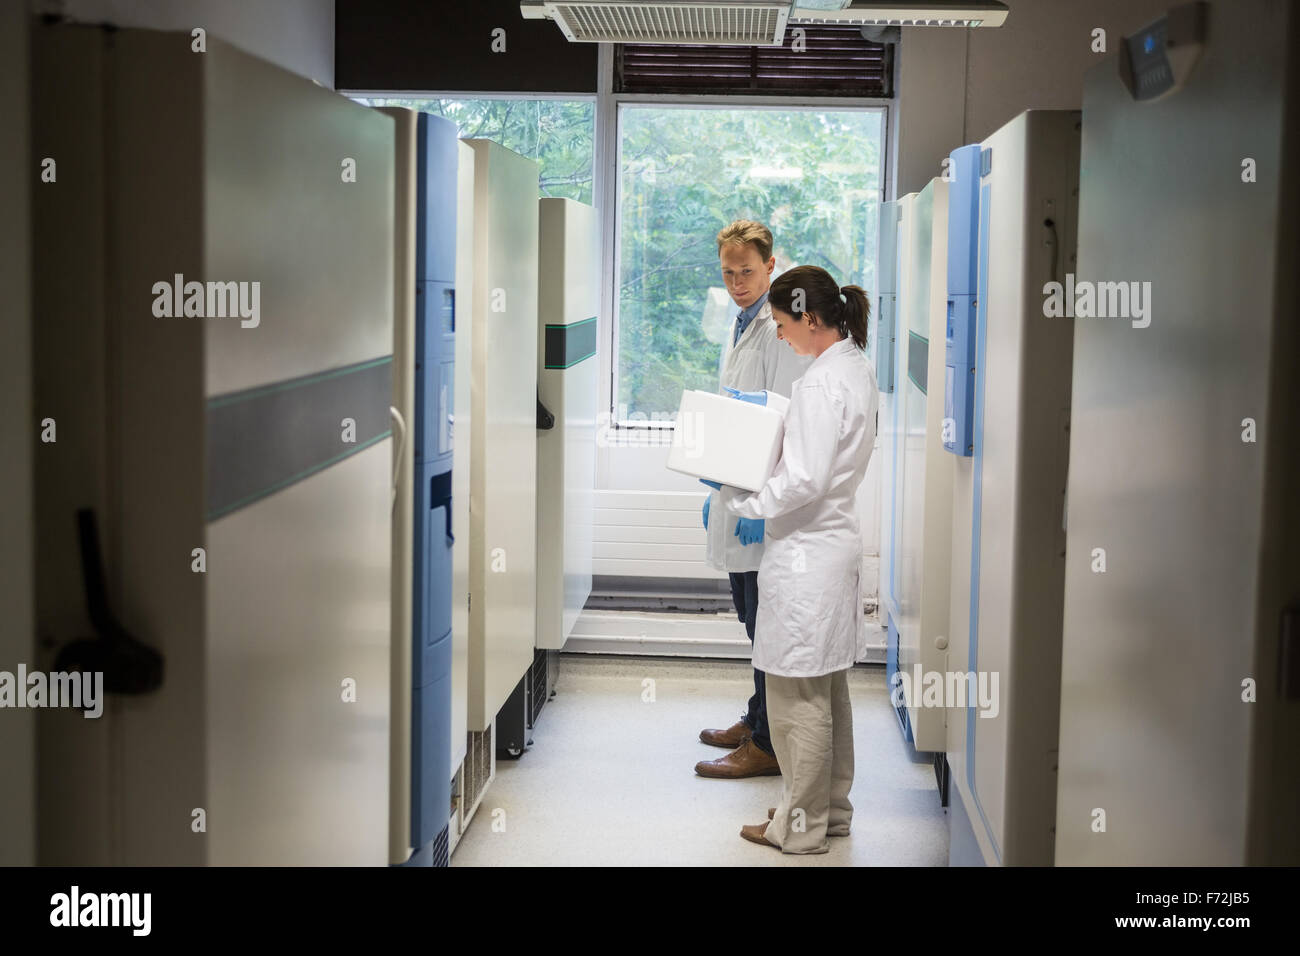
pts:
[744, 231]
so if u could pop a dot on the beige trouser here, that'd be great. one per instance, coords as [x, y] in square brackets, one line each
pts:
[811, 722]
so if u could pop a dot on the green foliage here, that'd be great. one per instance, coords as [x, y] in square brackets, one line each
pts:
[686, 173]
[558, 134]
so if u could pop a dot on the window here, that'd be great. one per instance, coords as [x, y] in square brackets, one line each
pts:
[558, 134]
[812, 175]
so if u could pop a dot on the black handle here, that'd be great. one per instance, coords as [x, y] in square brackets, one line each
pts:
[128, 666]
[440, 497]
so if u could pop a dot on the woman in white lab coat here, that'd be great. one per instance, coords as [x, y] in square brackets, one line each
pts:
[810, 603]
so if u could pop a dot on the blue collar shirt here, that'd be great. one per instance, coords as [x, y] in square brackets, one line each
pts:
[747, 315]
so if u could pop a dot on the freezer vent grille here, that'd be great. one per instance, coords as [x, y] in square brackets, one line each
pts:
[628, 22]
[477, 767]
[440, 855]
[538, 681]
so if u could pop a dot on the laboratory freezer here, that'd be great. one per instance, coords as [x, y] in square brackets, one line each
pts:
[502, 368]
[896, 225]
[568, 300]
[1011, 223]
[461, 459]
[424, 393]
[1180, 697]
[924, 497]
[234, 460]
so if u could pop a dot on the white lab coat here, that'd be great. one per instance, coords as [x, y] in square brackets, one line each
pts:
[758, 362]
[809, 585]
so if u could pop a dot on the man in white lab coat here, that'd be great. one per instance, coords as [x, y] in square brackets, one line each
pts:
[753, 360]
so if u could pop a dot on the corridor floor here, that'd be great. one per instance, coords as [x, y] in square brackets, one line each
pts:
[610, 780]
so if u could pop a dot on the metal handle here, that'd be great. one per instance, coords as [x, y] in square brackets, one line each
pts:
[399, 424]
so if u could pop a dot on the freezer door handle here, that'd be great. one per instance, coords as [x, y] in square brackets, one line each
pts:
[545, 420]
[440, 497]
[128, 666]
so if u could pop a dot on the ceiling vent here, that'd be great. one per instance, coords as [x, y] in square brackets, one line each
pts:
[744, 22]
[972, 13]
[719, 22]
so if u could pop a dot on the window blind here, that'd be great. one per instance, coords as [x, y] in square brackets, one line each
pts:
[833, 60]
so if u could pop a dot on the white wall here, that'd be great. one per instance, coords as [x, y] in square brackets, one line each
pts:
[17, 434]
[647, 520]
[958, 86]
[295, 34]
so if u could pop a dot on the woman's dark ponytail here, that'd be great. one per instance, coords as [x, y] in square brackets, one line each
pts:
[854, 314]
[811, 289]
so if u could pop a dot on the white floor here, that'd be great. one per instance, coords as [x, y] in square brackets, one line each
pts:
[610, 780]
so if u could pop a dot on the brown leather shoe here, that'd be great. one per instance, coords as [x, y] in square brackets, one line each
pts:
[754, 833]
[731, 738]
[745, 761]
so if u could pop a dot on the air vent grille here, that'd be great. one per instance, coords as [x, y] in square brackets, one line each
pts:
[708, 23]
[441, 856]
[538, 678]
[477, 767]
[888, 21]
[907, 13]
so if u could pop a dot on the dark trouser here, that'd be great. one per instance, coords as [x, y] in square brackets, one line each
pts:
[744, 595]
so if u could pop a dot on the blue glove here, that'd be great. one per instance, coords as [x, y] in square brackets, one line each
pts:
[749, 530]
[707, 502]
[712, 484]
[758, 398]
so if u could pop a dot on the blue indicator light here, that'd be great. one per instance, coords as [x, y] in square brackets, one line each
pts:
[1149, 43]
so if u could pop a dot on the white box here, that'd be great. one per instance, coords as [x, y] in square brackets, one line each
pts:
[728, 441]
